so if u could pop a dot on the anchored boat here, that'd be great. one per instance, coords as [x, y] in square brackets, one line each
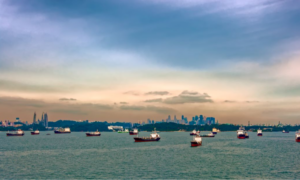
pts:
[197, 141]
[259, 132]
[96, 133]
[208, 135]
[126, 131]
[134, 132]
[241, 133]
[297, 138]
[153, 137]
[194, 132]
[19, 132]
[214, 131]
[36, 132]
[62, 131]
[246, 135]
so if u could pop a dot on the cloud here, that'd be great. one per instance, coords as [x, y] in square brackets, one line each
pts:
[157, 93]
[67, 99]
[157, 109]
[229, 101]
[123, 102]
[134, 93]
[188, 97]
[252, 101]
[154, 100]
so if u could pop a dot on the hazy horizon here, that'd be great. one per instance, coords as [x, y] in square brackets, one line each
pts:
[117, 60]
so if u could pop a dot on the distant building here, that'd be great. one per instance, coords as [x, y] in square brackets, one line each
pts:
[34, 118]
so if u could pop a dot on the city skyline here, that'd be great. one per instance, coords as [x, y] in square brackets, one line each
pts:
[237, 61]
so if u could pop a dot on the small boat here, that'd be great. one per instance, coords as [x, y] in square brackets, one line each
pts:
[197, 141]
[194, 132]
[62, 131]
[297, 138]
[19, 132]
[285, 131]
[36, 132]
[126, 131]
[48, 134]
[241, 133]
[214, 131]
[96, 133]
[153, 137]
[246, 135]
[208, 135]
[134, 132]
[259, 132]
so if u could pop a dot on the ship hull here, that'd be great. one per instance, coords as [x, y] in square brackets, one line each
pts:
[137, 139]
[259, 134]
[214, 132]
[132, 133]
[60, 132]
[33, 133]
[9, 134]
[207, 136]
[88, 134]
[195, 143]
[241, 136]
[246, 137]
[298, 139]
[193, 134]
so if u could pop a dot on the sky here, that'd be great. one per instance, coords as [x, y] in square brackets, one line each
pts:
[130, 60]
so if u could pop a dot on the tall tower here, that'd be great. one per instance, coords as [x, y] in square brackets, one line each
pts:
[34, 118]
[46, 120]
[42, 120]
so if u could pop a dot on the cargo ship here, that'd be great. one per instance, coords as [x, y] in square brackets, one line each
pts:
[194, 132]
[197, 141]
[62, 131]
[214, 130]
[259, 132]
[208, 135]
[126, 131]
[96, 133]
[19, 132]
[241, 133]
[297, 138]
[36, 132]
[153, 137]
[134, 132]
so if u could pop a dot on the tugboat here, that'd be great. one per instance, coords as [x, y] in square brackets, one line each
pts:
[259, 132]
[214, 131]
[287, 131]
[297, 136]
[134, 132]
[19, 132]
[208, 135]
[36, 132]
[241, 133]
[97, 133]
[246, 135]
[194, 132]
[197, 141]
[62, 131]
[153, 137]
[126, 131]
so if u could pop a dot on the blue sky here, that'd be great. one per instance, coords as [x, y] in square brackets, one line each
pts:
[242, 52]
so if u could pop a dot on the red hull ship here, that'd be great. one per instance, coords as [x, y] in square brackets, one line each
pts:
[134, 132]
[197, 141]
[241, 134]
[153, 137]
[297, 138]
[97, 133]
[36, 132]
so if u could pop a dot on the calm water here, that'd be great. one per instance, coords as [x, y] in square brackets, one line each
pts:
[116, 156]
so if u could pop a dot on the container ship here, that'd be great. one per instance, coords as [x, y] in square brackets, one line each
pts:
[62, 131]
[197, 141]
[259, 132]
[297, 138]
[134, 132]
[194, 132]
[96, 133]
[208, 135]
[214, 130]
[153, 137]
[241, 133]
[36, 132]
[19, 132]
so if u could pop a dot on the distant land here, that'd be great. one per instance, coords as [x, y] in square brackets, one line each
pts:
[103, 126]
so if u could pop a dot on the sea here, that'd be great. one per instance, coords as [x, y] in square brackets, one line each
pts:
[113, 155]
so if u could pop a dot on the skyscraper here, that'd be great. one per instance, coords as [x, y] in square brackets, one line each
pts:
[46, 120]
[34, 118]
[42, 120]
